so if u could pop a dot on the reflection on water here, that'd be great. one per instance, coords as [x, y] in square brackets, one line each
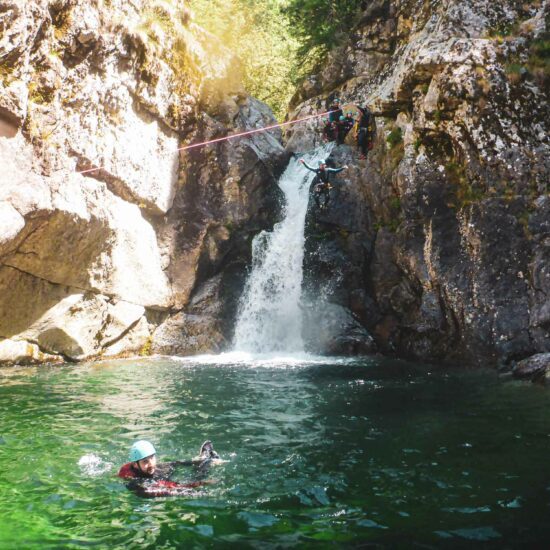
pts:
[318, 451]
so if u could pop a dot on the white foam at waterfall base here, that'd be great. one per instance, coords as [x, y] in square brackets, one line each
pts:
[270, 316]
[273, 360]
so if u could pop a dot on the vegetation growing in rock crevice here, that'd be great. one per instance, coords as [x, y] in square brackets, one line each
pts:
[162, 26]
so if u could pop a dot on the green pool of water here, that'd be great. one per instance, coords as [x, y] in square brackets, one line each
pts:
[319, 454]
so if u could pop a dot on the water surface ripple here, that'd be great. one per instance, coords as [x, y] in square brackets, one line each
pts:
[319, 452]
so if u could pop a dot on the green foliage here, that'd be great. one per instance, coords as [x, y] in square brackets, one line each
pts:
[391, 225]
[161, 18]
[503, 29]
[6, 74]
[146, 349]
[539, 58]
[161, 26]
[259, 33]
[320, 25]
[395, 203]
[523, 219]
[513, 68]
[465, 192]
[513, 72]
[536, 65]
[279, 42]
[395, 137]
[40, 95]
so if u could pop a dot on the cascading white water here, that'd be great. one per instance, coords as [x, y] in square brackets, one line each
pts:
[270, 316]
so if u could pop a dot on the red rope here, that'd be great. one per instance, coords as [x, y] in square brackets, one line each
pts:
[232, 136]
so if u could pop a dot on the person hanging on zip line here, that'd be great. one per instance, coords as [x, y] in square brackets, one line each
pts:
[147, 478]
[321, 182]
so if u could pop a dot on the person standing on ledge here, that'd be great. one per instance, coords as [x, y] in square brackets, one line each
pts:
[147, 478]
[335, 111]
[365, 130]
[321, 182]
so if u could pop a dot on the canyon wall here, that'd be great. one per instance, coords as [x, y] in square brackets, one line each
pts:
[133, 257]
[439, 242]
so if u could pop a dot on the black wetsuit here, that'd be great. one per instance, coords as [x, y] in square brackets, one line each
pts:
[344, 126]
[160, 484]
[322, 183]
[336, 113]
[364, 131]
[329, 131]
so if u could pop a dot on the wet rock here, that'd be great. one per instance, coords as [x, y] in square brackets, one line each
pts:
[535, 368]
[21, 352]
[331, 329]
[188, 334]
[337, 249]
[59, 319]
[134, 340]
[205, 326]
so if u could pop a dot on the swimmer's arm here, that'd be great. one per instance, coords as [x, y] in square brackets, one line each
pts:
[306, 165]
[169, 467]
[181, 463]
[163, 488]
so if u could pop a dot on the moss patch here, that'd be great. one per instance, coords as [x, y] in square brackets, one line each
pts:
[395, 137]
[40, 95]
[146, 349]
[465, 192]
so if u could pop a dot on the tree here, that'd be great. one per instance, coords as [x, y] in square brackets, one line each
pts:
[320, 25]
[259, 34]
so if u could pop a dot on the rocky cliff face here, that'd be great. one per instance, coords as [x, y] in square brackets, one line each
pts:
[439, 243]
[148, 252]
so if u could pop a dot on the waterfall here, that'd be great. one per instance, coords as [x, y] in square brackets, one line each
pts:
[270, 316]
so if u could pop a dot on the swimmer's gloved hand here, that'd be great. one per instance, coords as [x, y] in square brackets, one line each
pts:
[207, 451]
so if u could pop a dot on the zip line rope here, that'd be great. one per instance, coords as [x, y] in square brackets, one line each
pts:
[232, 136]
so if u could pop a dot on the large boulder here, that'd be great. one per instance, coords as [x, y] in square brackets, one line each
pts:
[535, 368]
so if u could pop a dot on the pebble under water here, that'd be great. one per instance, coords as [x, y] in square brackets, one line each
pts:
[320, 453]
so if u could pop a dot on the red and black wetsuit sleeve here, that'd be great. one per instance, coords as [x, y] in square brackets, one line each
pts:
[128, 470]
[158, 485]
[150, 488]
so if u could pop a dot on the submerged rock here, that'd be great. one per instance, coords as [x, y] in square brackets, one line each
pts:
[535, 368]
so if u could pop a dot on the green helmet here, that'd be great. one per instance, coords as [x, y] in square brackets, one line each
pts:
[342, 117]
[140, 450]
[322, 162]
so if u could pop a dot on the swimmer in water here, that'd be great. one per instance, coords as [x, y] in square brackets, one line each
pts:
[147, 478]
